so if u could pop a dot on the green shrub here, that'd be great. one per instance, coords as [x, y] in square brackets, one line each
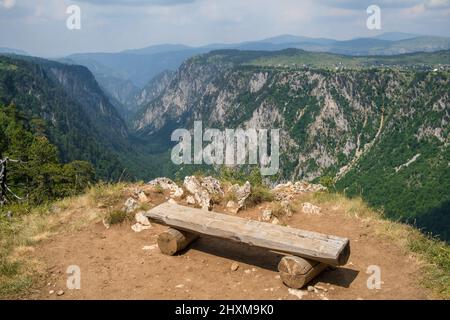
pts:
[116, 217]
[8, 269]
[259, 194]
[279, 211]
[327, 182]
[159, 189]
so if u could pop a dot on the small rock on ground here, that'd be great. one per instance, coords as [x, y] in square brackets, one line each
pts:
[309, 208]
[266, 215]
[106, 224]
[140, 218]
[139, 227]
[131, 205]
[142, 197]
[298, 293]
[321, 288]
[190, 200]
[149, 247]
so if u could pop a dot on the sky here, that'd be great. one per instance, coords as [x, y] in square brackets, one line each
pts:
[39, 26]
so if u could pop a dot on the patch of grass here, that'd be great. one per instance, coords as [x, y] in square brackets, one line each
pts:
[116, 217]
[108, 195]
[145, 207]
[280, 211]
[355, 207]
[11, 287]
[327, 182]
[259, 195]
[437, 253]
[251, 174]
[16, 273]
[159, 189]
[185, 192]
[230, 196]
[433, 254]
[8, 268]
[216, 198]
[277, 210]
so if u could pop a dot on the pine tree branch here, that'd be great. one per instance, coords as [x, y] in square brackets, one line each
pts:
[16, 196]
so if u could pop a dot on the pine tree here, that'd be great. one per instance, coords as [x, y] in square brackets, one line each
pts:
[37, 173]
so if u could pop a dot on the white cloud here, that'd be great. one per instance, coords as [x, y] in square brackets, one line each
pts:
[137, 2]
[438, 3]
[8, 4]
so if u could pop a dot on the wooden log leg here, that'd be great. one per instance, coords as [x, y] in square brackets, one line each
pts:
[172, 241]
[296, 272]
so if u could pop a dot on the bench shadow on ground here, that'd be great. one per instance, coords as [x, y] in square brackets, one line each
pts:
[265, 259]
[339, 277]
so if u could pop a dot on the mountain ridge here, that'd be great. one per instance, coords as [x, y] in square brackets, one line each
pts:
[136, 67]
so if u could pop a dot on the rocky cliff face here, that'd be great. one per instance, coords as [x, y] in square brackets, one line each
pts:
[369, 129]
[328, 119]
[154, 88]
[122, 93]
[80, 84]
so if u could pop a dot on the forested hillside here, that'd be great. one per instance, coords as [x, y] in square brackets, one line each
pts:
[65, 104]
[34, 172]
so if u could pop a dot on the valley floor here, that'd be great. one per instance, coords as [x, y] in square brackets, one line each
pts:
[114, 264]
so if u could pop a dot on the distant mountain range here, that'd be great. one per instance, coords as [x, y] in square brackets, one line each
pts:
[140, 65]
[13, 51]
[124, 74]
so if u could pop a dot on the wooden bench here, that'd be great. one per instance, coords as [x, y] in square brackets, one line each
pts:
[308, 253]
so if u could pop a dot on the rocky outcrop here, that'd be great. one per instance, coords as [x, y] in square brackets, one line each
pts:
[309, 208]
[203, 190]
[142, 219]
[142, 223]
[168, 184]
[266, 215]
[130, 205]
[239, 195]
[286, 191]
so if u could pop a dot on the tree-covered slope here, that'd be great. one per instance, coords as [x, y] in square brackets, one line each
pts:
[67, 105]
[30, 168]
[407, 171]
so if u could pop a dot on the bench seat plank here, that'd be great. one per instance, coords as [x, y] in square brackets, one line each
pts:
[311, 245]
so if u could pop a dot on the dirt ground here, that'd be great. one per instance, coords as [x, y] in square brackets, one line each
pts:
[114, 265]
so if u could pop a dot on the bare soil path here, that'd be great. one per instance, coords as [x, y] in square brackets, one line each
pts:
[114, 265]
